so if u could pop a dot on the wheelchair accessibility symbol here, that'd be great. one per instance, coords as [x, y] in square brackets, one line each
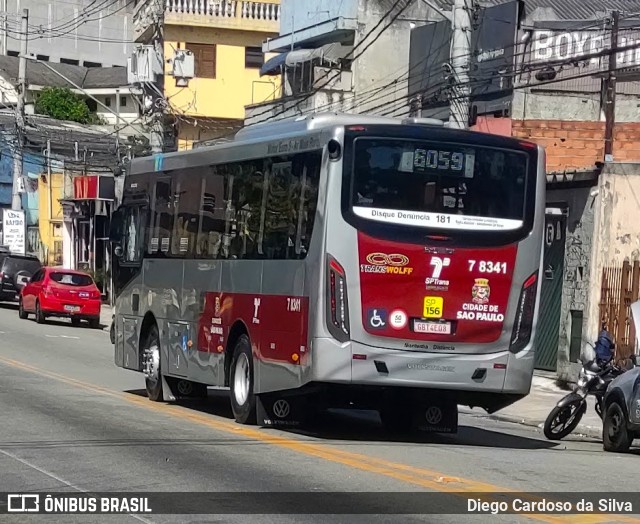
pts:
[377, 318]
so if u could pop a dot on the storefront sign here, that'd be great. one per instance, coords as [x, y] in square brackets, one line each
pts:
[14, 231]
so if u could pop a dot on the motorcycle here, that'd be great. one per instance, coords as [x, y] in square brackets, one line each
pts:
[594, 379]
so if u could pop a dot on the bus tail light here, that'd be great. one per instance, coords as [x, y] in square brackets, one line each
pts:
[523, 324]
[338, 302]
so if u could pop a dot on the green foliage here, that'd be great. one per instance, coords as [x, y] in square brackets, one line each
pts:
[63, 104]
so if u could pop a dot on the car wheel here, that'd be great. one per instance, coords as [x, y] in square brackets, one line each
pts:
[243, 400]
[94, 323]
[21, 311]
[75, 322]
[40, 318]
[151, 365]
[615, 435]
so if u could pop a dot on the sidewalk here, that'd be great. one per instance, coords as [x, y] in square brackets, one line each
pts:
[534, 408]
[105, 316]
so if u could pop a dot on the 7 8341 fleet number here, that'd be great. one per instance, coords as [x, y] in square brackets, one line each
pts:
[484, 266]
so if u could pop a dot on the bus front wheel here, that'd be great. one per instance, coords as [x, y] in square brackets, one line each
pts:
[151, 365]
[243, 400]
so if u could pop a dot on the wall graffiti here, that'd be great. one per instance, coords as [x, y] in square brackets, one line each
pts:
[577, 267]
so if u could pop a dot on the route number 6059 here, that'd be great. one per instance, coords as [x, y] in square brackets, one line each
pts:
[484, 266]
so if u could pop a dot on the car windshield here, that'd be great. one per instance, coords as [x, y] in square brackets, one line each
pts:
[71, 279]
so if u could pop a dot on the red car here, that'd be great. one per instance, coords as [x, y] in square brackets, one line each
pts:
[55, 292]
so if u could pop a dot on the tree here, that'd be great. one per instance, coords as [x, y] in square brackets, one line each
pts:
[63, 104]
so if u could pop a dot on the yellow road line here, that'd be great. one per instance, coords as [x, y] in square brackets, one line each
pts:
[421, 477]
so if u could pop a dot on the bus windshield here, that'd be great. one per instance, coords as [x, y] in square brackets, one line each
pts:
[438, 184]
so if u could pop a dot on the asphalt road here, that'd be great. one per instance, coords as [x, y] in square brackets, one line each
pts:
[71, 421]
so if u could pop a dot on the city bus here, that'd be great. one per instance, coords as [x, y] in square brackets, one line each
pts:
[334, 260]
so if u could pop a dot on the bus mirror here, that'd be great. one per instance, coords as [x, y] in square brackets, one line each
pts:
[115, 230]
[118, 251]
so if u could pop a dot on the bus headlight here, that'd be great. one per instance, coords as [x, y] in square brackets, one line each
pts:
[523, 324]
[338, 301]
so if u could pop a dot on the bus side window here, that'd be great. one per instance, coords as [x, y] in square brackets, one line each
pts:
[188, 184]
[133, 234]
[243, 219]
[159, 237]
[309, 183]
[292, 195]
[211, 214]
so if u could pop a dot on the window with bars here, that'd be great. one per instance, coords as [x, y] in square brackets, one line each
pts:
[205, 59]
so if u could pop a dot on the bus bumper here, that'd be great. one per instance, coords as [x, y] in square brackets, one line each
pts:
[355, 363]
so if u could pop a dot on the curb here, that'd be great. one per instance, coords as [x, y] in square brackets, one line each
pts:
[581, 430]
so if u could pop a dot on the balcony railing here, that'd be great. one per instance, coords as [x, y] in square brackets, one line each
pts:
[267, 11]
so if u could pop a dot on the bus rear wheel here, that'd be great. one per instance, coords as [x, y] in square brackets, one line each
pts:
[243, 400]
[151, 365]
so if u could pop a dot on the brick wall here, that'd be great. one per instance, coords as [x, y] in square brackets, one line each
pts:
[578, 145]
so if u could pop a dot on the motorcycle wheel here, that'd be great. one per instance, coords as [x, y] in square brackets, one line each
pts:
[563, 420]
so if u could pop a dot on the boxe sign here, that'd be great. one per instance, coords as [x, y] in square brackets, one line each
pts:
[14, 231]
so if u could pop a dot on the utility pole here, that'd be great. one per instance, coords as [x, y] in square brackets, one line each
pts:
[460, 62]
[118, 124]
[610, 89]
[157, 125]
[16, 201]
[5, 27]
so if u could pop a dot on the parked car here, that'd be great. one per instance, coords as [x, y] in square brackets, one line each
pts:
[621, 423]
[15, 272]
[55, 292]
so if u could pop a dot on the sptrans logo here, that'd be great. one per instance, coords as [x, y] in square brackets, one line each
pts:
[434, 282]
[395, 264]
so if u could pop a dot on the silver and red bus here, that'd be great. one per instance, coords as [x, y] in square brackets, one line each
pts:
[334, 261]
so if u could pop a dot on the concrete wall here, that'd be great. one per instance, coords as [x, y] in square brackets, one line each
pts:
[298, 15]
[77, 29]
[322, 101]
[617, 229]
[570, 106]
[129, 111]
[380, 76]
[577, 268]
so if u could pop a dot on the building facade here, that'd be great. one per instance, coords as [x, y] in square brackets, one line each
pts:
[336, 56]
[76, 32]
[224, 41]
[50, 225]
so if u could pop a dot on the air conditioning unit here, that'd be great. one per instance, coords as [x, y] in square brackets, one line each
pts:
[184, 64]
[144, 65]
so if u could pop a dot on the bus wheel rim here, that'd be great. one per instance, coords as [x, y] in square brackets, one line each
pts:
[241, 380]
[152, 363]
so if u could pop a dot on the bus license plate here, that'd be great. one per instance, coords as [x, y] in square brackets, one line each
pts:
[439, 328]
